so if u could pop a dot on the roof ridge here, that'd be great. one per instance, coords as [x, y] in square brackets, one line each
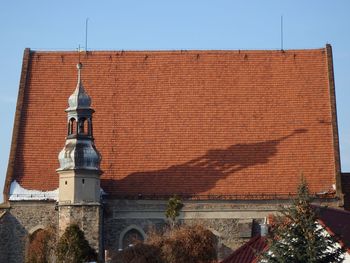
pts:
[43, 51]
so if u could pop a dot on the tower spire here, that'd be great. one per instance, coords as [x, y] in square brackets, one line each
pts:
[79, 157]
[79, 99]
[79, 171]
[79, 67]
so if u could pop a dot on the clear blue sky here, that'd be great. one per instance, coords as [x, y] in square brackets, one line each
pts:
[181, 24]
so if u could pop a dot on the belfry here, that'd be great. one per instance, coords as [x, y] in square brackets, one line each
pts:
[79, 160]
[79, 171]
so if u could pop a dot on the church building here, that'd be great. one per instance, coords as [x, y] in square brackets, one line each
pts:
[230, 132]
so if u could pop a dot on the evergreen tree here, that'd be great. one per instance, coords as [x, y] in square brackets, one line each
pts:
[72, 247]
[296, 237]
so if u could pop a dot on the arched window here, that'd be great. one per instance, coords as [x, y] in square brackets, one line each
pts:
[89, 122]
[130, 236]
[86, 127]
[72, 127]
[83, 127]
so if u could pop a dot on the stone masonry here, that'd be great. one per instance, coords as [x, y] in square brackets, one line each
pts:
[20, 219]
[88, 218]
[232, 222]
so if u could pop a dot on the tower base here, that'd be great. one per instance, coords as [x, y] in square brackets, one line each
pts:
[89, 218]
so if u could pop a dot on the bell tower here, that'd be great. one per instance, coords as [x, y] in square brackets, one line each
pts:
[79, 171]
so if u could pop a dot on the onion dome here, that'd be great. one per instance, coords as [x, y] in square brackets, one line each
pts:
[79, 154]
[79, 99]
[79, 151]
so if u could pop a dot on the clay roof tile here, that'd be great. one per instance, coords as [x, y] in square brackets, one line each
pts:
[191, 122]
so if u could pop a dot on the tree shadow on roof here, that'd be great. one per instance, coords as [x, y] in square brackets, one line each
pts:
[200, 174]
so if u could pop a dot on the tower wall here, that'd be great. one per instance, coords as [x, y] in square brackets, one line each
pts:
[79, 187]
[79, 172]
[89, 218]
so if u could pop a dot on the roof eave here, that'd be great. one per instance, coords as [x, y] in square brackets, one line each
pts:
[16, 126]
[329, 58]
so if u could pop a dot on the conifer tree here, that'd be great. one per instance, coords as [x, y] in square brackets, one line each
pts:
[72, 247]
[296, 237]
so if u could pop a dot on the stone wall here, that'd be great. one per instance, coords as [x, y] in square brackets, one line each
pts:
[12, 239]
[88, 218]
[21, 219]
[232, 222]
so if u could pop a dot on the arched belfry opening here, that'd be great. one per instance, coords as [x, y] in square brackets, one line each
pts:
[84, 126]
[81, 126]
[72, 127]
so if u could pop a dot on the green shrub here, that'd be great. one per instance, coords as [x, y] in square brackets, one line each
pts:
[72, 247]
[173, 209]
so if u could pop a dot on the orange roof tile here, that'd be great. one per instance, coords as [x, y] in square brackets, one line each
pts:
[249, 252]
[336, 222]
[194, 122]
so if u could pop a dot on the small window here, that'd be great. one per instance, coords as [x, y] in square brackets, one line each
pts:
[65, 182]
[83, 181]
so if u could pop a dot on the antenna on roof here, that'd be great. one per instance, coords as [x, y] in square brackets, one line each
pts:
[78, 49]
[282, 32]
[86, 34]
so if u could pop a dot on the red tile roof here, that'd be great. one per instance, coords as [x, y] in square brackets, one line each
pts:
[336, 222]
[195, 122]
[249, 252]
